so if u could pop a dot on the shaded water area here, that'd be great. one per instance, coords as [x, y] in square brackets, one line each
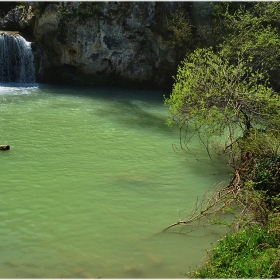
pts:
[90, 182]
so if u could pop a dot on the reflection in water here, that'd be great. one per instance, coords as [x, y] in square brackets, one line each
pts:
[90, 182]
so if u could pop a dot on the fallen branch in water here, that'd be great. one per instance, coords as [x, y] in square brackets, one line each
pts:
[237, 195]
[220, 199]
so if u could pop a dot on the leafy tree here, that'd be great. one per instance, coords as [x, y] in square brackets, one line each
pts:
[211, 97]
[226, 91]
[250, 30]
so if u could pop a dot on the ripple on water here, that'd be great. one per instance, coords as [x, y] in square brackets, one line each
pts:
[90, 181]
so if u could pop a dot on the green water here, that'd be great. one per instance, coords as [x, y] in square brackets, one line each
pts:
[90, 182]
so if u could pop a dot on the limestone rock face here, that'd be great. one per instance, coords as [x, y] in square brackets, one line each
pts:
[117, 40]
[124, 40]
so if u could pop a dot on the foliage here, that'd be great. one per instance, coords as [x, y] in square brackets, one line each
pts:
[226, 91]
[253, 251]
[250, 208]
[220, 13]
[211, 96]
[222, 9]
[250, 30]
[265, 176]
[176, 28]
[250, 253]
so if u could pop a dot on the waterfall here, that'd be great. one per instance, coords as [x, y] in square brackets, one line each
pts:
[16, 59]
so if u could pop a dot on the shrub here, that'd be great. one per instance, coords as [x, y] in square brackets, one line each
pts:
[266, 175]
[250, 253]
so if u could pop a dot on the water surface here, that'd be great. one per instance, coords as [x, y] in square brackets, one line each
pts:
[90, 182]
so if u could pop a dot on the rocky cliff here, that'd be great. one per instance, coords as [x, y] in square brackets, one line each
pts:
[124, 43]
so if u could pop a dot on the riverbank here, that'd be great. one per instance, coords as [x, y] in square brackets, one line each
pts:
[251, 253]
[251, 249]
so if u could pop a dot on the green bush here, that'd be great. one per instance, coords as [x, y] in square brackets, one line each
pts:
[266, 175]
[250, 253]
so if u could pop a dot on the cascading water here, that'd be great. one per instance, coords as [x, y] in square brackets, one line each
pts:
[16, 59]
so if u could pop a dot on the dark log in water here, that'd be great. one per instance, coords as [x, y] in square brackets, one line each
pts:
[4, 147]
